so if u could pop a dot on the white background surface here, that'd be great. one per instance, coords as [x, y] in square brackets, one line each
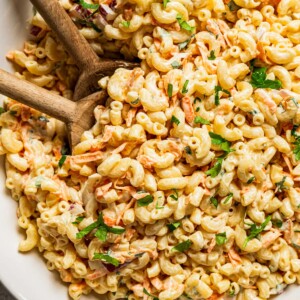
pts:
[26, 275]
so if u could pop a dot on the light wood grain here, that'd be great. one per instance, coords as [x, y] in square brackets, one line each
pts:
[78, 116]
[92, 69]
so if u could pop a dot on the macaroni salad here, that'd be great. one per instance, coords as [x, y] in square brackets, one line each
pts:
[187, 186]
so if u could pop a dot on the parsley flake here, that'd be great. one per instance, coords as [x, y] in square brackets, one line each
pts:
[107, 258]
[170, 89]
[183, 24]
[62, 160]
[211, 55]
[199, 120]
[145, 201]
[174, 196]
[214, 202]
[251, 179]
[184, 89]
[165, 2]
[221, 142]
[256, 230]
[228, 198]
[181, 247]
[126, 24]
[148, 294]
[78, 220]
[259, 80]
[217, 97]
[188, 150]
[280, 185]
[221, 238]
[277, 223]
[173, 226]
[175, 120]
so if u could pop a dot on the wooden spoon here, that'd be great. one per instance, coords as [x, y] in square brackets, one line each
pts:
[91, 68]
[78, 116]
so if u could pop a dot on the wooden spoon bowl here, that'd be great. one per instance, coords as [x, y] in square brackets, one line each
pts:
[78, 116]
[91, 67]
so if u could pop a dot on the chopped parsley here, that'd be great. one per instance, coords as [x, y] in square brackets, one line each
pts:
[78, 220]
[148, 294]
[183, 24]
[2, 110]
[215, 170]
[62, 160]
[197, 99]
[102, 229]
[221, 142]
[221, 238]
[88, 5]
[184, 44]
[199, 120]
[259, 80]
[181, 247]
[296, 150]
[211, 55]
[175, 64]
[188, 150]
[184, 89]
[251, 179]
[214, 202]
[126, 24]
[145, 201]
[175, 120]
[228, 198]
[277, 223]
[12, 112]
[174, 196]
[280, 185]
[197, 109]
[170, 89]
[173, 226]
[256, 230]
[217, 90]
[165, 2]
[107, 258]
[158, 207]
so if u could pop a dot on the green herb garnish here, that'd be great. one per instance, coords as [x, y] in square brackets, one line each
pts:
[259, 80]
[217, 90]
[256, 230]
[184, 44]
[251, 179]
[214, 201]
[277, 223]
[145, 201]
[158, 207]
[228, 198]
[173, 226]
[188, 150]
[78, 220]
[165, 2]
[215, 170]
[107, 258]
[62, 160]
[184, 89]
[102, 229]
[174, 196]
[221, 142]
[175, 120]
[280, 185]
[212, 55]
[183, 24]
[136, 101]
[170, 90]
[181, 247]
[126, 24]
[221, 238]
[88, 5]
[2, 110]
[199, 120]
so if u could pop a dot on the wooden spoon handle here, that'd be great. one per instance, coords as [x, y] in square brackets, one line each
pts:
[67, 32]
[36, 97]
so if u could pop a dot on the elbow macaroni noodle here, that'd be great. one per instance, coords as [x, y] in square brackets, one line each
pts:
[197, 163]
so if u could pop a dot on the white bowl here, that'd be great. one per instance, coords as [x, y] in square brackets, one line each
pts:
[26, 275]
